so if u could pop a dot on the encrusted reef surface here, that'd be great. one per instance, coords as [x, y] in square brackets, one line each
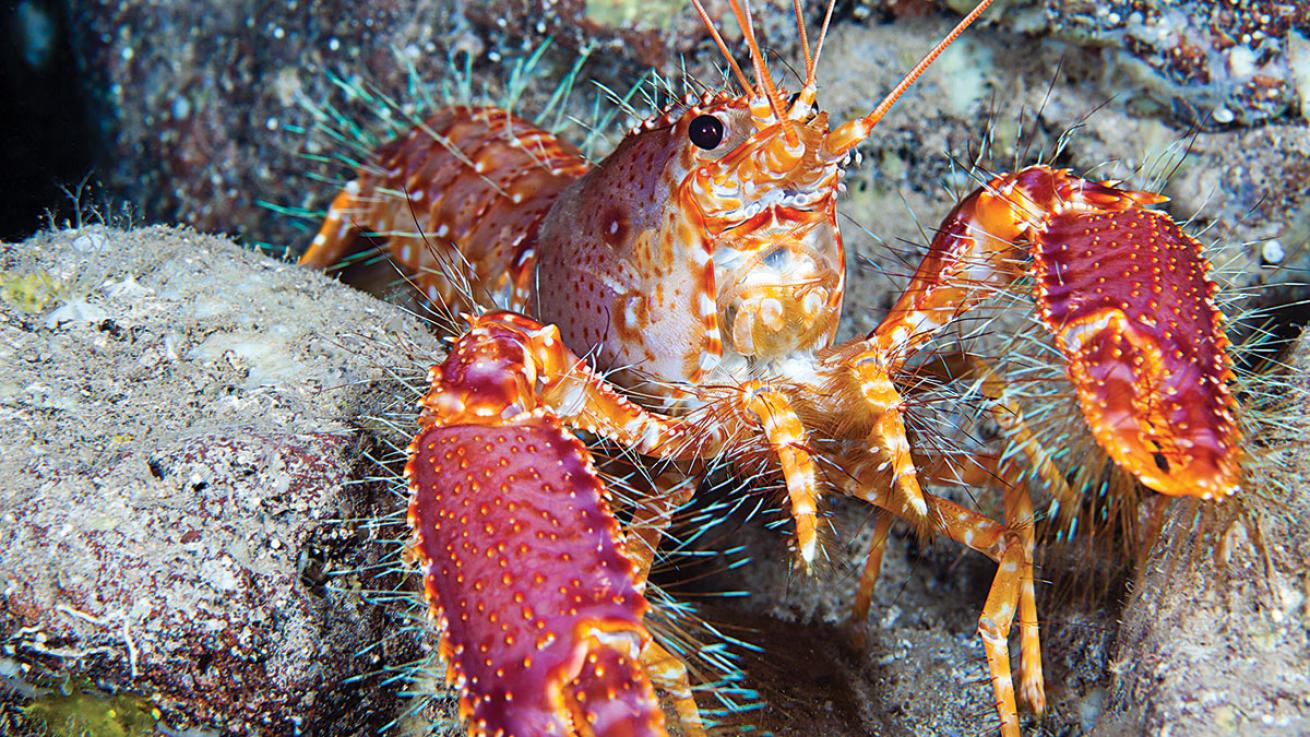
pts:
[1206, 63]
[180, 470]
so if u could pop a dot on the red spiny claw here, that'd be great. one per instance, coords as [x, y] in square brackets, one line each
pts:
[612, 696]
[525, 571]
[1126, 293]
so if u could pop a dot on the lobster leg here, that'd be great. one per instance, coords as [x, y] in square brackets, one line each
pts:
[786, 438]
[871, 375]
[872, 566]
[994, 628]
[1005, 544]
[337, 233]
[988, 470]
[1125, 293]
[888, 436]
[652, 517]
[1019, 518]
[650, 520]
[669, 674]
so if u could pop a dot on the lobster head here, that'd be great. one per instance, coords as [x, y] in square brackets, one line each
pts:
[762, 192]
[706, 242]
[764, 183]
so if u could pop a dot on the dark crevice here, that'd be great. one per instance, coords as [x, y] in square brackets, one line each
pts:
[46, 134]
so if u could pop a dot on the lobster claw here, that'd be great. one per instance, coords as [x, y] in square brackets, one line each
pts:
[1126, 295]
[1125, 292]
[524, 570]
[612, 697]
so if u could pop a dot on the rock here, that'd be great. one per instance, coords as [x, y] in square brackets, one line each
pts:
[193, 102]
[1298, 50]
[1215, 638]
[179, 453]
[1207, 64]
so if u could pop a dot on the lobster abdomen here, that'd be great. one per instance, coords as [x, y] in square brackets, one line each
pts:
[467, 190]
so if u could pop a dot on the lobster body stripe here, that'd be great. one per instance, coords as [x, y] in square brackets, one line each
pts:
[468, 190]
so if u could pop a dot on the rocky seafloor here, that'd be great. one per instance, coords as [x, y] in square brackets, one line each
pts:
[198, 530]
[192, 515]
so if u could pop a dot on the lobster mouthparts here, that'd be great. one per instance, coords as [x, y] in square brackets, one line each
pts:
[525, 571]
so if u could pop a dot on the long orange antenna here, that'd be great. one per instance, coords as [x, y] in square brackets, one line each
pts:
[813, 71]
[762, 71]
[923, 64]
[850, 134]
[805, 42]
[746, 86]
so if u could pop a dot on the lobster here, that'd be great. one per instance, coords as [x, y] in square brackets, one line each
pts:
[680, 299]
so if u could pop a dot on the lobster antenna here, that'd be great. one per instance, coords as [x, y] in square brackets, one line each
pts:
[762, 71]
[855, 131]
[805, 42]
[813, 71]
[746, 86]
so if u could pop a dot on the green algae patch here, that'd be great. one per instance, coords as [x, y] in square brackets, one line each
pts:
[28, 293]
[639, 14]
[89, 714]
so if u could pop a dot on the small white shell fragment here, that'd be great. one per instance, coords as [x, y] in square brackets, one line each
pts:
[90, 243]
[1272, 252]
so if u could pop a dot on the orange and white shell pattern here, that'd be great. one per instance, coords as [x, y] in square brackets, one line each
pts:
[686, 264]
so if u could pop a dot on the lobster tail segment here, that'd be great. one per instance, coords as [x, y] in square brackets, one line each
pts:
[525, 571]
[1126, 293]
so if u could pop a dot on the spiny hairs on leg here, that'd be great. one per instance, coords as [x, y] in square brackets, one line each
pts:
[689, 541]
[1113, 512]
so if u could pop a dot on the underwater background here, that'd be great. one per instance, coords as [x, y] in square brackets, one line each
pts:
[198, 539]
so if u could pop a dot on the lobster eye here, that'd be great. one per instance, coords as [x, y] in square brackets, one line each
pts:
[706, 131]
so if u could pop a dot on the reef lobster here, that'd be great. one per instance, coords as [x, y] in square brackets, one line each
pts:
[699, 267]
